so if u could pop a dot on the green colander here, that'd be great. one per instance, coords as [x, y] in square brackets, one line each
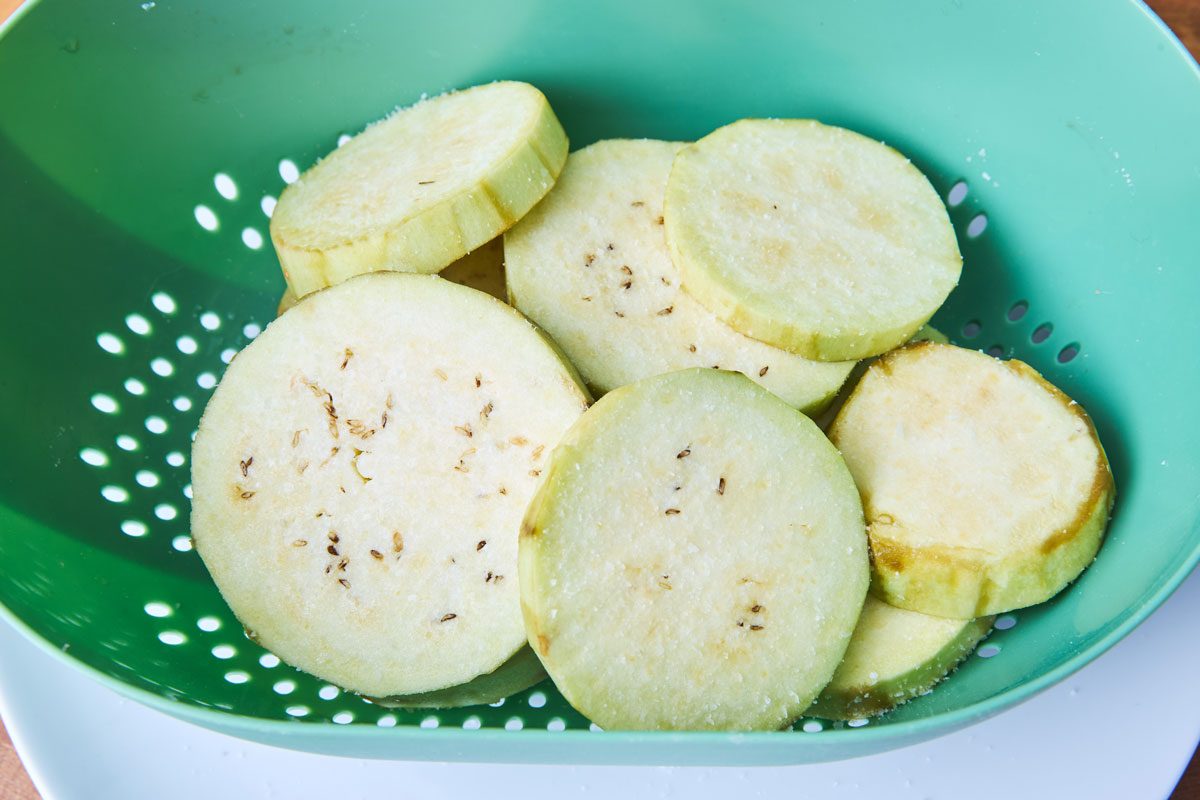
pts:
[143, 144]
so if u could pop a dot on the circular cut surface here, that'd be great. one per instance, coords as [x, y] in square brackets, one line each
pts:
[421, 188]
[590, 265]
[695, 559]
[809, 237]
[985, 487]
[360, 475]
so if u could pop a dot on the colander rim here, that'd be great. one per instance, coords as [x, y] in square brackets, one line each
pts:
[899, 732]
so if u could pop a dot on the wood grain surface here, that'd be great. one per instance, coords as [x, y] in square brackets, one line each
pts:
[1184, 18]
[14, 783]
[6, 8]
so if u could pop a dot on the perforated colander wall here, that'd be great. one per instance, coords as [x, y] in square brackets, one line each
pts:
[165, 358]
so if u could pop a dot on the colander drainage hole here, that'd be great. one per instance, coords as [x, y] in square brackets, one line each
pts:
[157, 610]
[857, 723]
[93, 457]
[182, 543]
[537, 700]
[386, 721]
[252, 238]
[1068, 353]
[187, 345]
[162, 367]
[224, 652]
[328, 692]
[472, 723]
[105, 404]
[138, 324]
[268, 660]
[812, 726]
[343, 718]
[172, 638]
[971, 329]
[284, 687]
[208, 624]
[430, 722]
[297, 711]
[131, 527]
[957, 193]
[146, 479]
[988, 651]
[1042, 333]
[267, 204]
[237, 676]
[1017, 311]
[1005, 622]
[163, 302]
[206, 380]
[225, 186]
[514, 724]
[995, 351]
[288, 170]
[206, 218]
[135, 387]
[127, 443]
[114, 494]
[556, 725]
[110, 344]
[977, 226]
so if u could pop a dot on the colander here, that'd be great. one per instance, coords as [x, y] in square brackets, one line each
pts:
[143, 144]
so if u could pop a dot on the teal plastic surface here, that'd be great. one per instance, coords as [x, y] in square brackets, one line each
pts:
[142, 144]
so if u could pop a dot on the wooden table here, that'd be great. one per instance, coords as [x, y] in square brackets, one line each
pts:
[1184, 18]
